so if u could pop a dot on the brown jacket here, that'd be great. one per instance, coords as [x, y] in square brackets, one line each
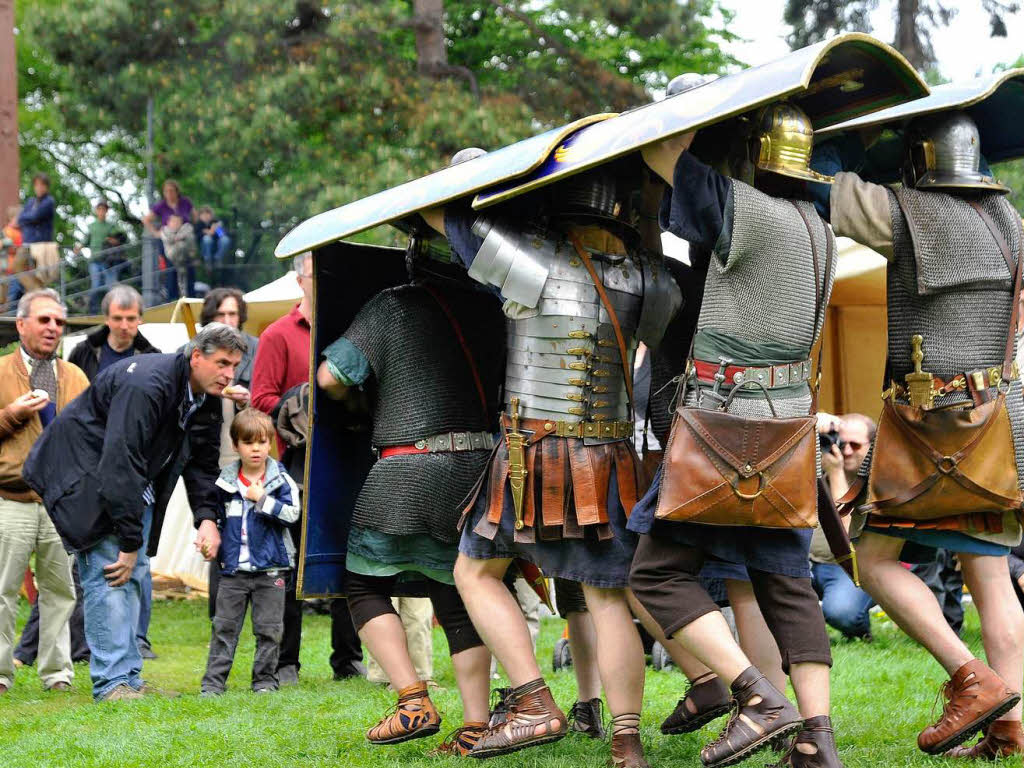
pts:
[17, 438]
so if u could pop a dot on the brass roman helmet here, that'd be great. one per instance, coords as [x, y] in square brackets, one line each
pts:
[944, 152]
[785, 137]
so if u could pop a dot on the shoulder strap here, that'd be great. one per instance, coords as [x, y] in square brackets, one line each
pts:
[1015, 270]
[627, 374]
[465, 346]
[820, 291]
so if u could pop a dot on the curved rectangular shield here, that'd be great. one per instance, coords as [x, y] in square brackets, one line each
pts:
[429, 191]
[338, 455]
[832, 81]
[995, 102]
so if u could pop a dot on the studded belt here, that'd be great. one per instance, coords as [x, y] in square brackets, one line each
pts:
[606, 430]
[974, 382]
[771, 376]
[445, 443]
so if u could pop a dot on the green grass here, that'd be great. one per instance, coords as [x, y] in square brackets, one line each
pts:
[883, 694]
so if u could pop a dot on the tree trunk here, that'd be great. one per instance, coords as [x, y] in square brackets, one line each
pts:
[908, 34]
[432, 57]
[9, 180]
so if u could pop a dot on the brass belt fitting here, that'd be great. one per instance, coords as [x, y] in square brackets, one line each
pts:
[920, 390]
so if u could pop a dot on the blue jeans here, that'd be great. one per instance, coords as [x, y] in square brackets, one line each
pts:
[112, 614]
[101, 279]
[844, 604]
[214, 249]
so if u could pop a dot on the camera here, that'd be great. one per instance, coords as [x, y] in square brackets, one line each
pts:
[827, 439]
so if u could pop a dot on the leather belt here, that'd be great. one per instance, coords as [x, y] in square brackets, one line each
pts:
[975, 382]
[446, 443]
[771, 376]
[607, 430]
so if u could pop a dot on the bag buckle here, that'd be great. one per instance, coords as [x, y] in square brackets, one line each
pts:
[750, 496]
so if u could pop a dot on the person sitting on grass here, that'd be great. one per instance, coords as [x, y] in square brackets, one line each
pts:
[259, 500]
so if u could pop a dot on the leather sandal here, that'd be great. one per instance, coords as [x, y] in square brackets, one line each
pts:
[752, 726]
[627, 749]
[975, 697]
[1002, 739]
[500, 698]
[461, 741]
[412, 717]
[817, 731]
[529, 707]
[710, 699]
[587, 717]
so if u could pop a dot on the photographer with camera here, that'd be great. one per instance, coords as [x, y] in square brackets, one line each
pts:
[845, 441]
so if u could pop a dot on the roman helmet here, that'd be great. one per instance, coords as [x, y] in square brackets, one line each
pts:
[943, 151]
[782, 140]
[467, 154]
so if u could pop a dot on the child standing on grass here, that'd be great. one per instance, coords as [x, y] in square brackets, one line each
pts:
[258, 501]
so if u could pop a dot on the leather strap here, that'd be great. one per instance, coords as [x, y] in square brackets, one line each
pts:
[465, 347]
[820, 306]
[626, 373]
[1015, 271]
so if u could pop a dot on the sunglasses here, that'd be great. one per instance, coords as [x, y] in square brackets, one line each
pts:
[854, 445]
[60, 322]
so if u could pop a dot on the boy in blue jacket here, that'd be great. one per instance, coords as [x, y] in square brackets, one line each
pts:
[258, 501]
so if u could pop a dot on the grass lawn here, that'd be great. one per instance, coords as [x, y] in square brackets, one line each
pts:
[883, 694]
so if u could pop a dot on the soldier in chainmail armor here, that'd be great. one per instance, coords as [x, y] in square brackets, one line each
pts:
[430, 356]
[759, 318]
[950, 282]
[580, 292]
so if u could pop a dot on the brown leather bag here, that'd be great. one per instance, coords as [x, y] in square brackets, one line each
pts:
[725, 469]
[929, 464]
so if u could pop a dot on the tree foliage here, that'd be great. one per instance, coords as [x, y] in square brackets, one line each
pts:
[280, 110]
[916, 20]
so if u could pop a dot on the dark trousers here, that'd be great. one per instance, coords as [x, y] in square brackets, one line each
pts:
[28, 645]
[946, 582]
[346, 650]
[265, 592]
[665, 578]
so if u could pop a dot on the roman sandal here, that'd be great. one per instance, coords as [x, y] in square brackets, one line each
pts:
[705, 700]
[412, 717]
[819, 746]
[1002, 738]
[627, 749]
[760, 716]
[587, 717]
[975, 697]
[461, 741]
[533, 719]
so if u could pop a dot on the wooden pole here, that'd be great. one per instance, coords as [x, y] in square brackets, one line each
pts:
[9, 169]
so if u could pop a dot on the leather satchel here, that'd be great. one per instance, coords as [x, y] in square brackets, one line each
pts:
[724, 469]
[929, 464]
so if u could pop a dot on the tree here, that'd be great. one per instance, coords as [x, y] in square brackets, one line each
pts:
[814, 20]
[281, 110]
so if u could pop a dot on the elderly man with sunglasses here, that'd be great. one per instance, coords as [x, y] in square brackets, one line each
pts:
[845, 441]
[34, 386]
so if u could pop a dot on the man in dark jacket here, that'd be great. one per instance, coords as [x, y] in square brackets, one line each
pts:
[119, 337]
[106, 468]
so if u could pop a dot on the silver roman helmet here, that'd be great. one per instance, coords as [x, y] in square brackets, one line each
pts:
[593, 194]
[944, 152]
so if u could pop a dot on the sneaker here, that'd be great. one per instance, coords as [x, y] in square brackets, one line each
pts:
[288, 675]
[122, 692]
[59, 687]
[210, 694]
[146, 650]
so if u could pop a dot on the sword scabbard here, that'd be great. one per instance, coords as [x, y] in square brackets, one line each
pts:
[516, 442]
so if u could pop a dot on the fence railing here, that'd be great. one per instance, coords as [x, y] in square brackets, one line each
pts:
[124, 264]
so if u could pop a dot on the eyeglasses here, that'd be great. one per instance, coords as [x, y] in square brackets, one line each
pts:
[854, 445]
[60, 322]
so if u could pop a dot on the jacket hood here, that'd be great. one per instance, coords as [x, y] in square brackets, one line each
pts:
[99, 337]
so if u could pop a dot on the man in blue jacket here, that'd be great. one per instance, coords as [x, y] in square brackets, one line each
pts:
[105, 469]
[36, 223]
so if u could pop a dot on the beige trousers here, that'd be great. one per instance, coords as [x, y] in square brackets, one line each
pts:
[417, 614]
[24, 529]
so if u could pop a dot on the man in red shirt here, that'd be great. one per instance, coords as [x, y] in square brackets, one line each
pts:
[282, 362]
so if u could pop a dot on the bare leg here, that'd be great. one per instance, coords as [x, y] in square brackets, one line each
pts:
[811, 684]
[620, 654]
[907, 600]
[1002, 621]
[756, 640]
[472, 673]
[688, 664]
[583, 643]
[497, 616]
[710, 640]
[384, 637]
